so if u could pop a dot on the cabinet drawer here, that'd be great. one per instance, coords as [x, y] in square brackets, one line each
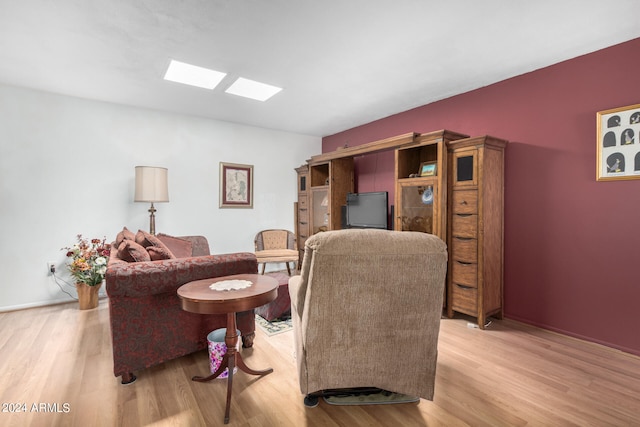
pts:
[465, 201]
[464, 249]
[302, 201]
[301, 241]
[465, 299]
[303, 231]
[464, 273]
[303, 215]
[465, 225]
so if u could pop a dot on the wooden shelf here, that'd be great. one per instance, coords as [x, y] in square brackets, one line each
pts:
[329, 177]
[369, 148]
[476, 227]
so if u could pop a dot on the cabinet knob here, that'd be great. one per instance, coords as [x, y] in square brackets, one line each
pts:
[464, 202]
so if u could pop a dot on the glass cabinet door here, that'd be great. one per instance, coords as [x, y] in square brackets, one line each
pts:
[417, 207]
[320, 209]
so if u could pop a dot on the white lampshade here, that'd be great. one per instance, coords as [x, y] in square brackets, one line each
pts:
[151, 184]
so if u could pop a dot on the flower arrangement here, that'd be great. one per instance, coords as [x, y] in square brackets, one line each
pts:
[89, 260]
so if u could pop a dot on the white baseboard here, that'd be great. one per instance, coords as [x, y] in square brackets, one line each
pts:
[41, 304]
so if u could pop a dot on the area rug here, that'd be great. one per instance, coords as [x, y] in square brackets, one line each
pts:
[276, 326]
[371, 397]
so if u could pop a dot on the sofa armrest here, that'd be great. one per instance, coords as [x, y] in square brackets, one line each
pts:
[139, 279]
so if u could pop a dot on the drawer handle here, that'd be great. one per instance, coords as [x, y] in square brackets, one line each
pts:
[464, 215]
[303, 223]
[464, 262]
[466, 288]
[463, 238]
[303, 209]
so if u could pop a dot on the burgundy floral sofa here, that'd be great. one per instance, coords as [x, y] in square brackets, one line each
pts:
[148, 325]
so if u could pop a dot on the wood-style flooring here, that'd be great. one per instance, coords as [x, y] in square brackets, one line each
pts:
[56, 370]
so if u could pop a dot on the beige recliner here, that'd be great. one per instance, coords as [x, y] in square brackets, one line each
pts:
[366, 311]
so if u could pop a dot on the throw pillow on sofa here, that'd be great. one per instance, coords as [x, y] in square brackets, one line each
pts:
[130, 251]
[125, 234]
[157, 250]
[157, 253]
[181, 248]
[145, 239]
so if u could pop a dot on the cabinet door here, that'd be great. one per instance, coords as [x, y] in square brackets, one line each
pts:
[417, 208]
[465, 167]
[302, 182]
[320, 208]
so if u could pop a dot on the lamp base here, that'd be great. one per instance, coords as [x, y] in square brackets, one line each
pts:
[152, 220]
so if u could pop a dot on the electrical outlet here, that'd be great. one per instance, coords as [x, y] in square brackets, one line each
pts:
[51, 267]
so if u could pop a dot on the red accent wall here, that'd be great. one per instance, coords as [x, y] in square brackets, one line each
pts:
[572, 245]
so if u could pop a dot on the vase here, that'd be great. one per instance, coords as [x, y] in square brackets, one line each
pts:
[87, 295]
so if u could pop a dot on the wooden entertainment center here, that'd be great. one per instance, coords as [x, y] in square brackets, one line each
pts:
[446, 184]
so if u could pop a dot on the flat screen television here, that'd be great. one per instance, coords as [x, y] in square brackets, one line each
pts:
[367, 210]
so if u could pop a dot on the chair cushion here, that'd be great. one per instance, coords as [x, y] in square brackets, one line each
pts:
[275, 255]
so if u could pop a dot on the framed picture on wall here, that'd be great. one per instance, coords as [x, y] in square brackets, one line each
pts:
[236, 185]
[618, 149]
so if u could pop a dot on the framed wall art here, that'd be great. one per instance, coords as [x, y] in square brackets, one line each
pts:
[428, 169]
[618, 142]
[236, 185]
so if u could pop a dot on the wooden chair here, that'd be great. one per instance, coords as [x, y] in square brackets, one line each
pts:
[276, 246]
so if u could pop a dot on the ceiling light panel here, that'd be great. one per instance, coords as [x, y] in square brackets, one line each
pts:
[252, 89]
[193, 75]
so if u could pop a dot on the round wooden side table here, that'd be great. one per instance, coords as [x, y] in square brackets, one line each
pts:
[198, 297]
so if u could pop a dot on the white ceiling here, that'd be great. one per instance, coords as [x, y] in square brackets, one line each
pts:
[342, 63]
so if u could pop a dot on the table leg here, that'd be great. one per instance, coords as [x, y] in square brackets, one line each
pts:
[229, 360]
[231, 363]
[223, 365]
[248, 370]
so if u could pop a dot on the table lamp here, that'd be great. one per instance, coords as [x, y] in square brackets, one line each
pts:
[151, 186]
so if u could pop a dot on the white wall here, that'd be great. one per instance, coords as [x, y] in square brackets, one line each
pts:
[67, 167]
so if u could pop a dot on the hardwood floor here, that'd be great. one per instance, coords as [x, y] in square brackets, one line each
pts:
[508, 375]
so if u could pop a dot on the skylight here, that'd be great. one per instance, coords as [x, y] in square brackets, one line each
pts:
[193, 75]
[252, 89]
